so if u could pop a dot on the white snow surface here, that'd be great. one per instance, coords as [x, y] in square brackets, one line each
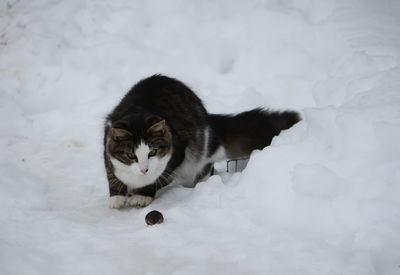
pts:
[324, 198]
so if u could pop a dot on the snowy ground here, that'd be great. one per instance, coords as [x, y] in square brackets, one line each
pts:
[323, 199]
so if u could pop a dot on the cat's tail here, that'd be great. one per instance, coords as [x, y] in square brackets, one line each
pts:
[242, 133]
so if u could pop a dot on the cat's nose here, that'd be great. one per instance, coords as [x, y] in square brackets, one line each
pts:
[144, 171]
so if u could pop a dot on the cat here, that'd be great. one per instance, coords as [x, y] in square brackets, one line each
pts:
[160, 132]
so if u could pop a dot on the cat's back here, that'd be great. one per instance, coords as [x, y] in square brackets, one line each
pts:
[164, 96]
[159, 90]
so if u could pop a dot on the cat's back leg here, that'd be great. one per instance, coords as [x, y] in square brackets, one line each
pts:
[205, 173]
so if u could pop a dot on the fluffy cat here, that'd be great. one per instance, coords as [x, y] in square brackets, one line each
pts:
[160, 132]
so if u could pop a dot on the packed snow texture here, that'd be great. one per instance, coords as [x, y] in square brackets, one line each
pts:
[324, 198]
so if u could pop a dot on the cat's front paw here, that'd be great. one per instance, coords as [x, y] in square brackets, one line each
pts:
[116, 202]
[139, 201]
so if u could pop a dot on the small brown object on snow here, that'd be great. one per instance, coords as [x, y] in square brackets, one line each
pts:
[154, 217]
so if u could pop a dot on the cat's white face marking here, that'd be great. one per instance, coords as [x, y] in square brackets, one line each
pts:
[142, 154]
[143, 172]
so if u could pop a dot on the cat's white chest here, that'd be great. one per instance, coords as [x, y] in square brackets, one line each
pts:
[130, 174]
[127, 175]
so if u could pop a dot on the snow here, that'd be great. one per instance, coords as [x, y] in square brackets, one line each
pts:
[324, 198]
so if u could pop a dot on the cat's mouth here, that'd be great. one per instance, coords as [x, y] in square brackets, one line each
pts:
[142, 174]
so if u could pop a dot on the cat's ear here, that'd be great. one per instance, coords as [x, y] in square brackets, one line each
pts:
[157, 128]
[118, 134]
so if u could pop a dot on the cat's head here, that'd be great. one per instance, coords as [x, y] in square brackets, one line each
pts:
[142, 146]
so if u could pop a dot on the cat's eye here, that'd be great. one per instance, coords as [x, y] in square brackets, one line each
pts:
[120, 152]
[153, 153]
[131, 156]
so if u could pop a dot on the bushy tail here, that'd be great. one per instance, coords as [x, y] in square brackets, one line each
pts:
[242, 133]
